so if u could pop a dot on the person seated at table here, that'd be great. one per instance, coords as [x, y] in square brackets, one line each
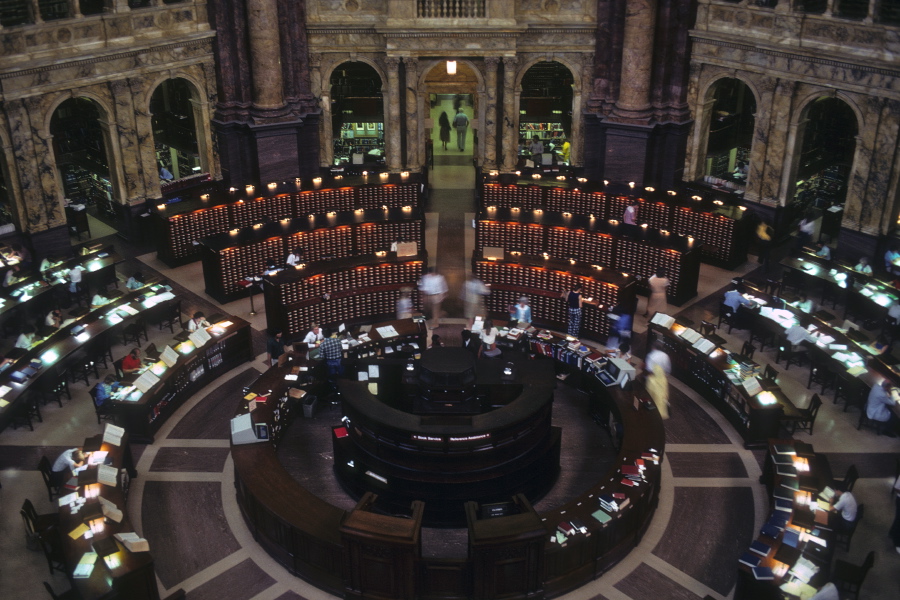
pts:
[843, 511]
[804, 304]
[882, 344]
[879, 404]
[27, 338]
[863, 266]
[53, 318]
[104, 390]
[624, 351]
[197, 321]
[488, 337]
[136, 281]
[21, 253]
[823, 251]
[48, 263]
[734, 299]
[521, 312]
[99, 300]
[132, 362]
[314, 336]
[64, 464]
[294, 258]
[894, 311]
[11, 277]
[795, 335]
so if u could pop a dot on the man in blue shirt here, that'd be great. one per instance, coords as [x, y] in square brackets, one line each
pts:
[104, 390]
[823, 251]
[878, 406]
[332, 352]
[734, 299]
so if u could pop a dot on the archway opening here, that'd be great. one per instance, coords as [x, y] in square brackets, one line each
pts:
[731, 131]
[357, 113]
[175, 130]
[827, 147]
[81, 154]
[545, 113]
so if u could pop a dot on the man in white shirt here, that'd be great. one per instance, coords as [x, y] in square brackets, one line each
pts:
[314, 336]
[74, 276]
[828, 592]
[65, 462]
[197, 321]
[293, 259]
[657, 356]
[434, 289]
[843, 511]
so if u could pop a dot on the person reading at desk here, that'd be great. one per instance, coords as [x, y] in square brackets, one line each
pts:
[878, 406]
[735, 298]
[64, 464]
[136, 281]
[314, 336]
[843, 511]
[804, 304]
[132, 362]
[53, 318]
[198, 321]
[521, 312]
[26, 339]
[863, 266]
[99, 300]
[823, 251]
[104, 390]
[11, 277]
[293, 259]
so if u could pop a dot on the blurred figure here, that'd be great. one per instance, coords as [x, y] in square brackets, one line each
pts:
[474, 291]
[404, 304]
[433, 288]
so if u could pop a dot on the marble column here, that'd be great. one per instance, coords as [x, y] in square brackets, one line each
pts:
[265, 54]
[75, 9]
[637, 59]
[392, 114]
[490, 113]
[35, 9]
[579, 95]
[322, 89]
[509, 143]
[781, 144]
[134, 160]
[413, 142]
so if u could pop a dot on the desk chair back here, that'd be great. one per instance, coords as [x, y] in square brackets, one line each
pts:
[47, 475]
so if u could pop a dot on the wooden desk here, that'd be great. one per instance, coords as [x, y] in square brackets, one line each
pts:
[134, 578]
[59, 348]
[302, 531]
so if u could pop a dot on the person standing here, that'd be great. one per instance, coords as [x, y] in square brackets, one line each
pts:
[630, 215]
[293, 259]
[657, 356]
[659, 285]
[444, 125]
[521, 312]
[536, 148]
[275, 346]
[333, 353]
[574, 302]
[434, 289]
[404, 304]
[461, 123]
[764, 235]
[474, 292]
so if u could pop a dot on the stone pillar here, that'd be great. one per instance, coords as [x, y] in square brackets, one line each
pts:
[35, 9]
[637, 59]
[265, 54]
[392, 116]
[413, 142]
[867, 208]
[872, 14]
[580, 93]
[75, 9]
[509, 143]
[490, 113]
[321, 88]
[135, 159]
[780, 144]
[829, 8]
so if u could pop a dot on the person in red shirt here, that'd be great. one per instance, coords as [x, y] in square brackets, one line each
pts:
[132, 362]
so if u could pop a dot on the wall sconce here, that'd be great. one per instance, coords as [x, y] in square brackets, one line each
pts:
[718, 202]
[381, 253]
[591, 216]
[338, 177]
[613, 222]
[582, 180]
[359, 211]
[664, 231]
[571, 261]
[383, 175]
[451, 67]
[567, 214]
[257, 225]
[407, 208]
[672, 192]
[317, 182]
[493, 173]
[232, 190]
[518, 173]
[312, 216]
[696, 198]
[404, 174]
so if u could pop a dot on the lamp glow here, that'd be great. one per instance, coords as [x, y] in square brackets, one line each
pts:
[451, 67]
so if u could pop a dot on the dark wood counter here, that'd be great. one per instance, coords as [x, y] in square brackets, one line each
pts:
[302, 532]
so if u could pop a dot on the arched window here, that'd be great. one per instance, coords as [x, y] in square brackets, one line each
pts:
[545, 110]
[175, 130]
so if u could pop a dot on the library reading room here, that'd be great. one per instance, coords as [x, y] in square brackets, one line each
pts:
[450, 299]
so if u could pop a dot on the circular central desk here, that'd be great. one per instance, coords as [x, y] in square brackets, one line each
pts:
[366, 554]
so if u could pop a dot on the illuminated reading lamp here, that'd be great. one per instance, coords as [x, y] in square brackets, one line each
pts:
[407, 208]
[538, 211]
[546, 255]
[250, 189]
[591, 216]
[285, 221]
[631, 184]
[332, 213]
[597, 267]
[649, 189]
[742, 208]
[672, 192]
[299, 266]
[582, 180]
[312, 216]
[560, 177]
[273, 185]
[613, 222]
[451, 67]
[92, 490]
[365, 173]
[338, 177]
[664, 231]
[492, 207]
[97, 523]
[297, 182]
[381, 253]
[718, 202]
[493, 173]
[643, 226]
[515, 209]
[49, 357]
[232, 190]
[766, 398]
[404, 174]
[567, 214]
[160, 207]
[696, 198]
[234, 231]
[317, 182]
[518, 173]
[571, 261]
[257, 225]
[536, 176]
[384, 207]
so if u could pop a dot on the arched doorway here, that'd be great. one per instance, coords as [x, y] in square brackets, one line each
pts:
[545, 113]
[826, 147]
[357, 115]
[730, 138]
[81, 150]
[175, 130]
[451, 93]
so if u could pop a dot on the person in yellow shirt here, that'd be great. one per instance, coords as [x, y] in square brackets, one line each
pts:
[565, 150]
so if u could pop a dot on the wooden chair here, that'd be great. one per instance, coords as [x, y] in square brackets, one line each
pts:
[151, 352]
[846, 484]
[849, 578]
[864, 421]
[53, 552]
[35, 524]
[820, 370]
[851, 390]
[728, 316]
[104, 413]
[27, 411]
[844, 537]
[748, 350]
[53, 386]
[807, 419]
[790, 354]
[170, 317]
[133, 332]
[770, 373]
[708, 330]
[82, 367]
[47, 475]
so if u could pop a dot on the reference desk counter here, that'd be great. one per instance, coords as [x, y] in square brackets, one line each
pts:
[124, 575]
[62, 348]
[305, 534]
[796, 540]
[143, 413]
[730, 382]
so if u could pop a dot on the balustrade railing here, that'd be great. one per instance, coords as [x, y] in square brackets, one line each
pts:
[450, 9]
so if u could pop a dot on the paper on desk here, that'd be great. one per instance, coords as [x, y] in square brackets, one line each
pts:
[373, 371]
[79, 531]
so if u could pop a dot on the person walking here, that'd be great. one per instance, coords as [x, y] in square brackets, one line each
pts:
[434, 289]
[444, 125]
[659, 284]
[461, 123]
